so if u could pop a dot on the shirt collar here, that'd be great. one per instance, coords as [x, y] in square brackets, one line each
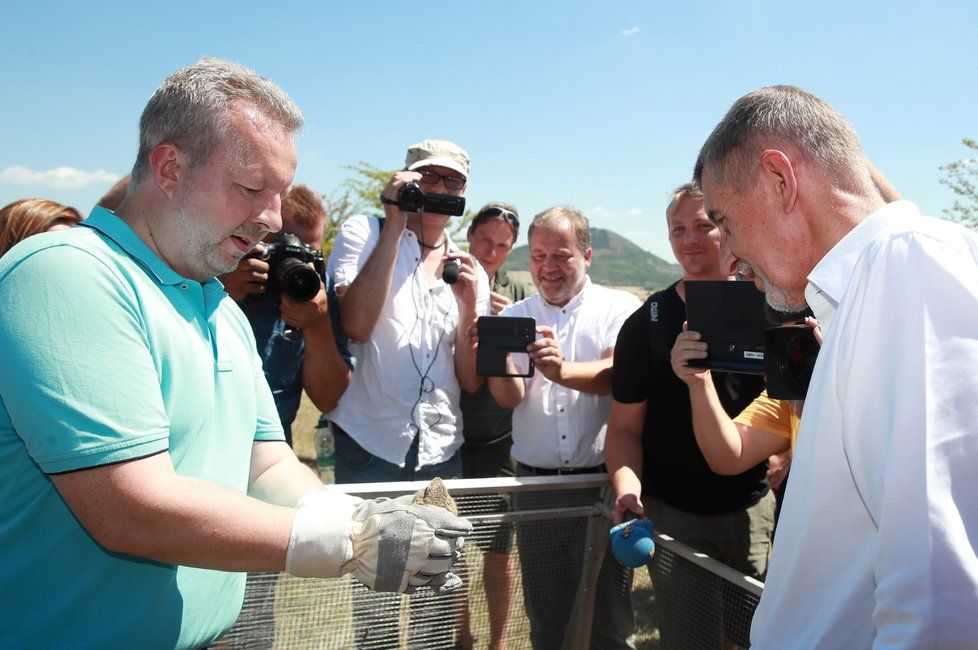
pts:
[121, 233]
[828, 280]
[502, 279]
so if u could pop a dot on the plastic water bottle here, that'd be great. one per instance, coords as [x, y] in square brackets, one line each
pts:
[631, 542]
[325, 451]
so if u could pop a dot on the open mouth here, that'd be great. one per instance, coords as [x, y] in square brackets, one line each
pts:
[242, 244]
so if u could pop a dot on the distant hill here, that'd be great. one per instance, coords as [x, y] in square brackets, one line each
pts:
[616, 262]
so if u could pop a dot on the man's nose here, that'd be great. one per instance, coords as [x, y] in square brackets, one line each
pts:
[729, 262]
[271, 216]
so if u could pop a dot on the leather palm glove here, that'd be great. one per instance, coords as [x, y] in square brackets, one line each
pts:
[388, 544]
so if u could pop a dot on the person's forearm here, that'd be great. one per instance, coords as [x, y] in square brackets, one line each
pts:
[465, 353]
[623, 459]
[325, 374]
[278, 477]
[507, 391]
[362, 301]
[592, 377]
[161, 516]
[716, 434]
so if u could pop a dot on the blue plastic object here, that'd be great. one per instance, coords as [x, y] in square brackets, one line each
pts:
[631, 542]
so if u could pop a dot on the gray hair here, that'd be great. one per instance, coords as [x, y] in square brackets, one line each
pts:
[552, 217]
[781, 115]
[191, 109]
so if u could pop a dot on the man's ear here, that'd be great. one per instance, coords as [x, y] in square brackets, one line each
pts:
[168, 164]
[779, 174]
[587, 256]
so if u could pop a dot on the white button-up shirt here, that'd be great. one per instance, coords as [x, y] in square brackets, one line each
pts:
[557, 427]
[876, 541]
[409, 355]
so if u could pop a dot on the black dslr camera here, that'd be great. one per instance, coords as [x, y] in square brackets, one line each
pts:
[288, 272]
[411, 198]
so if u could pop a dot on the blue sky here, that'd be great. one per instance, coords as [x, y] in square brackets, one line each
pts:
[600, 105]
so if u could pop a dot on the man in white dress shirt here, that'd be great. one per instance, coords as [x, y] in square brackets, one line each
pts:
[400, 419]
[559, 424]
[876, 542]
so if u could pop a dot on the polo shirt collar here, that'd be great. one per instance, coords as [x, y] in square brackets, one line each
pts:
[830, 277]
[501, 279]
[121, 233]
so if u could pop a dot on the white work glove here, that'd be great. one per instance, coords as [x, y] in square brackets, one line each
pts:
[388, 544]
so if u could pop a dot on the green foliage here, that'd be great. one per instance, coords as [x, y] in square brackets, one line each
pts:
[615, 262]
[360, 194]
[962, 178]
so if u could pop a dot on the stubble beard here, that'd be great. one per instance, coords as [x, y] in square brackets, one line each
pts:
[777, 297]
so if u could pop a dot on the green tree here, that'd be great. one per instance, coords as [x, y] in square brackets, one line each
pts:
[962, 178]
[360, 194]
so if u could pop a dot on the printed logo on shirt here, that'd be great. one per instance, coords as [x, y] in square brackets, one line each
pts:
[654, 312]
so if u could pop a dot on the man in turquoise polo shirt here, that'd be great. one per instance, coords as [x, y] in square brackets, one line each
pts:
[142, 461]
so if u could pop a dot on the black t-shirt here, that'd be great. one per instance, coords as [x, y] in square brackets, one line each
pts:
[673, 468]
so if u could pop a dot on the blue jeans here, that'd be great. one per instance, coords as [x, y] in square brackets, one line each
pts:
[374, 614]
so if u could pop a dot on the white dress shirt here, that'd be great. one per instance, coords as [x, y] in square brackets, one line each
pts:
[410, 354]
[557, 427]
[876, 541]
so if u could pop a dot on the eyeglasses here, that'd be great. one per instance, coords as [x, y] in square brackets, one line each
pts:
[452, 182]
[492, 213]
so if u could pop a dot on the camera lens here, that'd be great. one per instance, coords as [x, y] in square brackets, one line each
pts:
[410, 198]
[297, 280]
[797, 358]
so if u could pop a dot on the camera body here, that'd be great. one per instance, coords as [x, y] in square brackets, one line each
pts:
[411, 198]
[790, 352]
[288, 270]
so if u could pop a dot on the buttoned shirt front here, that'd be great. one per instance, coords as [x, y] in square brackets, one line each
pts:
[877, 533]
[404, 384]
[555, 426]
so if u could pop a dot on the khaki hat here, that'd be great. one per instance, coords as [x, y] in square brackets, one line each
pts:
[437, 152]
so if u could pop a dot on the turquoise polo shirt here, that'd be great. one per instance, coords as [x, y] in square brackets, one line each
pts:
[109, 355]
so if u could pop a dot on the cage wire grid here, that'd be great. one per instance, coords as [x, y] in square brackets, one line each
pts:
[548, 560]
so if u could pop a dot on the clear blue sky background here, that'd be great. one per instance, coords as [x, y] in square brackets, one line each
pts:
[600, 105]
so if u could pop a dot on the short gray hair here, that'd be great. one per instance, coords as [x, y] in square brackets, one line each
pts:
[781, 115]
[552, 217]
[191, 109]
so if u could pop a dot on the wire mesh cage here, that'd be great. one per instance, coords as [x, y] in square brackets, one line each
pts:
[537, 573]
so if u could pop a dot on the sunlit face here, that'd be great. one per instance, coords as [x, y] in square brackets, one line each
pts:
[311, 236]
[232, 200]
[558, 266]
[695, 240]
[758, 236]
[439, 187]
[490, 242]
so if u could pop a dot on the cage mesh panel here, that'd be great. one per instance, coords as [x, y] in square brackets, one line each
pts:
[695, 608]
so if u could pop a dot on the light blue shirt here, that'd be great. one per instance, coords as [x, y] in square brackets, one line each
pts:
[109, 355]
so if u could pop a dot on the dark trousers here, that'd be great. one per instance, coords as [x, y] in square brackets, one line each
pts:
[375, 615]
[551, 560]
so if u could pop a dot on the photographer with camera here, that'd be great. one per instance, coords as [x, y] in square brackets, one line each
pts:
[407, 297]
[280, 290]
[559, 425]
